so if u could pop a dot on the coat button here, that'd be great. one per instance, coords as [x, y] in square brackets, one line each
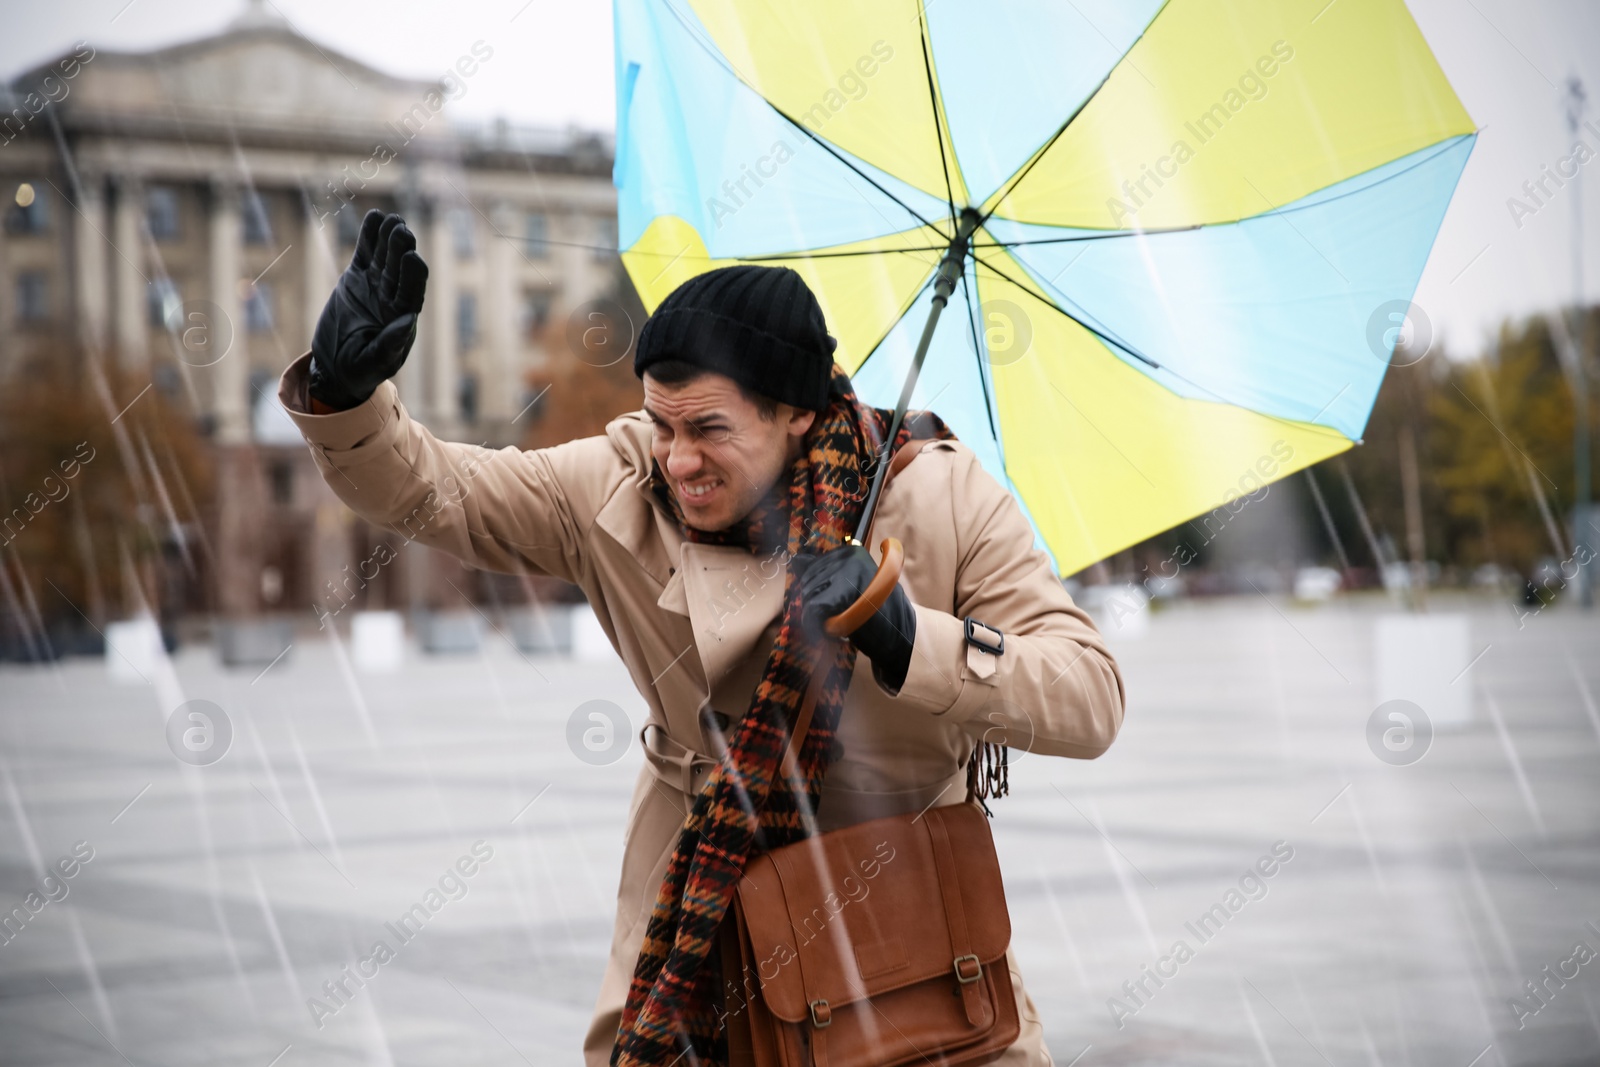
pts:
[713, 721]
[836, 751]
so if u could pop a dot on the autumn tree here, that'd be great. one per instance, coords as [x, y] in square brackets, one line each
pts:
[103, 484]
[1495, 450]
[588, 377]
[1493, 444]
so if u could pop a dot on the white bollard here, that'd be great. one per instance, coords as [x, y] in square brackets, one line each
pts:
[377, 641]
[133, 649]
[1118, 611]
[540, 628]
[589, 642]
[1421, 658]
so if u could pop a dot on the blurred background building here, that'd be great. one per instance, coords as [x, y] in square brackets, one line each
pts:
[175, 219]
[180, 216]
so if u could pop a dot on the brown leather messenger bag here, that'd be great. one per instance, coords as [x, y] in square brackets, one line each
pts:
[879, 944]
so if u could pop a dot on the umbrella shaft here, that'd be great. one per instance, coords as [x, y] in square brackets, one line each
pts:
[943, 285]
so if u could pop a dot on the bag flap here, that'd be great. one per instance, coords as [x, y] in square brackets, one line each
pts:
[860, 911]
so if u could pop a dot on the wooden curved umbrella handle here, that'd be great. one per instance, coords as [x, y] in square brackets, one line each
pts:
[852, 618]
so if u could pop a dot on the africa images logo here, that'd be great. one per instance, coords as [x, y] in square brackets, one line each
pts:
[1399, 733]
[199, 732]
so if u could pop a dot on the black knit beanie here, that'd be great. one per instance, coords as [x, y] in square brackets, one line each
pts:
[760, 326]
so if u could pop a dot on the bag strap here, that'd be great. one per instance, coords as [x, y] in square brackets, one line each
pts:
[802, 723]
[968, 969]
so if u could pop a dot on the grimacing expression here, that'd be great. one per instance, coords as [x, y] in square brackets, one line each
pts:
[719, 455]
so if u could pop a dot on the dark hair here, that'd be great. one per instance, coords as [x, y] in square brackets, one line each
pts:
[681, 372]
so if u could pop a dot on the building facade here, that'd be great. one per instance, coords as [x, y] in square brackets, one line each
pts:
[185, 213]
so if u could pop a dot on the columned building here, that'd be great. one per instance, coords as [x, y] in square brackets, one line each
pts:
[185, 212]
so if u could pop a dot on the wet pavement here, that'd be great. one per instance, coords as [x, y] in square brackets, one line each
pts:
[1244, 878]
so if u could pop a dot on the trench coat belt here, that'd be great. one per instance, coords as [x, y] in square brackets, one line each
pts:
[676, 764]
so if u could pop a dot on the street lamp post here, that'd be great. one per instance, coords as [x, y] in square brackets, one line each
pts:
[1580, 381]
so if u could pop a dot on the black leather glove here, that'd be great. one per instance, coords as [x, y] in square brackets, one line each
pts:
[831, 583]
[369, 323]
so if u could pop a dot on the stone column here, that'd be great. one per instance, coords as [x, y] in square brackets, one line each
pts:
[332, 529]
[500, 388]
[242, 500]
[231, 373]
[89, 248]
[132, 290]
[575, 262]
[320, 240]
[438, 325]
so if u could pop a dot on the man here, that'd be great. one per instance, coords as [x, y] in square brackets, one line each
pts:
[681, 524]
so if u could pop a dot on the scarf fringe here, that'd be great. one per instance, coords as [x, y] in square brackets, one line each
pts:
[988, 774]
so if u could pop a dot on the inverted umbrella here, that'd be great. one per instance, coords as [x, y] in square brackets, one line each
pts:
[1178, 239]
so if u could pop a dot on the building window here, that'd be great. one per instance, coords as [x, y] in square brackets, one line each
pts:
[161, 212]
[163, 303]
[605, 238]
[535, 312]
[33, 296]
[467, 397]
[349, 224]
[257, 224]
[536, 235]
[167, 379]
[282, 477]
[532, 407]
[466, 321]
[258, 308]
[27, 214]
[462, 229]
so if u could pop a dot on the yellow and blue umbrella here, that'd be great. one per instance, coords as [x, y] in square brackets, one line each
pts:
[1176, 232]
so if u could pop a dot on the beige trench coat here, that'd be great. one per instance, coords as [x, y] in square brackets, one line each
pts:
[693, 623]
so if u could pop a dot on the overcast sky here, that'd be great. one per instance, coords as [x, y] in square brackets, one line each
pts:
[1509, 60]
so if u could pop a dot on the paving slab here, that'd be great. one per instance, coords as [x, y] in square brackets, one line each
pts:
[1408, 904]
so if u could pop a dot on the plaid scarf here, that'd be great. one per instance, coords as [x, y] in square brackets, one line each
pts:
[745, 806]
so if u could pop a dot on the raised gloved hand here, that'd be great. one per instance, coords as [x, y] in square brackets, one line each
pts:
[831, 583]
[369, 323]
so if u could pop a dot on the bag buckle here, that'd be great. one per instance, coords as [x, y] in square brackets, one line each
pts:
[821, 1015]
[977, 969]
[989, 640]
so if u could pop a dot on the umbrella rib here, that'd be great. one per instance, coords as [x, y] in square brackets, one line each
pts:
[933, 108]
[989, 402]
[834, 255]
[979, 350]
[1444, 146]
[974, 245]
[927, 283]
[718, 57]
[1104, 235]
[1005, 190]
[942, 247]
[826, 147]
[1016, 179]
[1135, 353]
[1210, 393]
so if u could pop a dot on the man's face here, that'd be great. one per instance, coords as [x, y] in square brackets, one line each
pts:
[719, 455]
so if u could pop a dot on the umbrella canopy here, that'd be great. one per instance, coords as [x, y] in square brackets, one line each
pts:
[1201, 221]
